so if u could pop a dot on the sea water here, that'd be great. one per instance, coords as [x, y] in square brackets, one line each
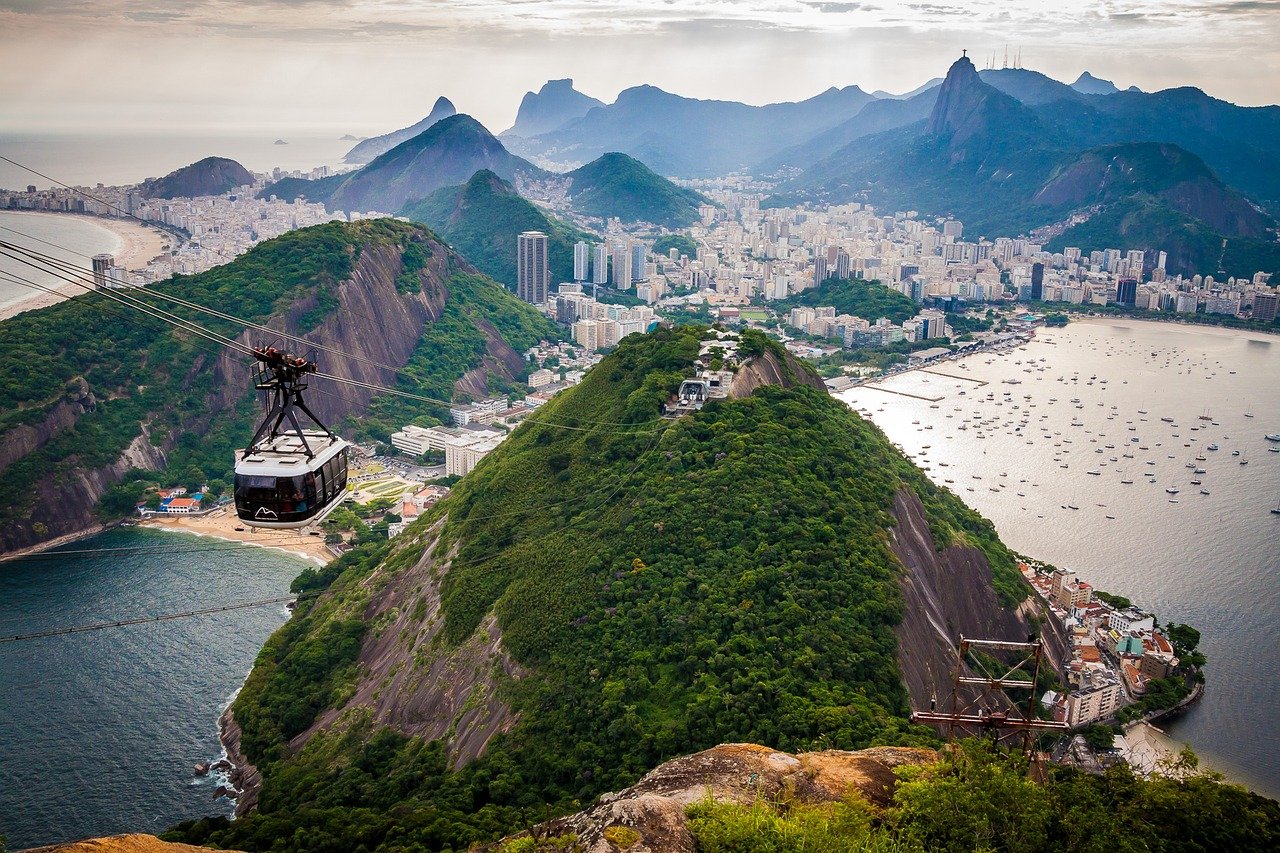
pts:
[99, 731]
[1212, 561]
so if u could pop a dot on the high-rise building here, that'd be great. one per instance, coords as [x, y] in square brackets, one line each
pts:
[819, 270]
[600, 265]
[1127, 292]
[533, 275]
[1037, 282]
[101, 263]
[1266, 306]
[621, 267]
[842, 265]
[638, 254]
[581, 257]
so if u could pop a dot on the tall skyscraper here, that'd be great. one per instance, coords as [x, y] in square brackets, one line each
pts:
[600, 265]
[842, 265]
[101, 263]
[1037, 282]
[621, 267]
[533, 275]
[1127, 292]
[638, 254]
[581, 257]
[819, 270]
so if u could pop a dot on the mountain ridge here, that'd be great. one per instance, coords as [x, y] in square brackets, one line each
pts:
[367, 149]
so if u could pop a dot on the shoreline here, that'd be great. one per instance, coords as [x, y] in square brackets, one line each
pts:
[219, 525]
[136, 246]
[1082, 317]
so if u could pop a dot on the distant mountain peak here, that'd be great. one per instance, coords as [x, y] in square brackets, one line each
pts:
[1087, 84]
[959, 99]
[374, 146]
[553, 106]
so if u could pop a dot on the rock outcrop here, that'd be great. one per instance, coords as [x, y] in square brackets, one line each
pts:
[410, 679]
[769, 369]
[133, 843]
[651, 813]
[948, 593]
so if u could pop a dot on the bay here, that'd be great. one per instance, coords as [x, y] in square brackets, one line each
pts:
[67, 238]
[99, 731]
[1212, 561]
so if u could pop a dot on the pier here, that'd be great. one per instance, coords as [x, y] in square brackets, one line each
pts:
[977, 382]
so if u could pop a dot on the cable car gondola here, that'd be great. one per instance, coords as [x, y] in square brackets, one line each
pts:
[288, 477]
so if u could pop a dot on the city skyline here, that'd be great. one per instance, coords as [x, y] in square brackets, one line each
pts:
[292, 64]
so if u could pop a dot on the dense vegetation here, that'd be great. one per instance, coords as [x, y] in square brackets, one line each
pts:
[482, 218]
[1147, 222]
[682, 243]
[621, 186]
[669, 584]
[141, 371]
[869, 300]
[449, 347]
[980, 799]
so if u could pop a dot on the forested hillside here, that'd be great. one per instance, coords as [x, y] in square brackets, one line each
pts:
[606, 590]
[482, 219]
[869, 300]
[93, 390]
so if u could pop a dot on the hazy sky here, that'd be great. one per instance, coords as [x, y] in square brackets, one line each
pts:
[366, 66]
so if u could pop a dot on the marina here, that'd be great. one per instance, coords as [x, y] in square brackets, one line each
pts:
[1090, 466]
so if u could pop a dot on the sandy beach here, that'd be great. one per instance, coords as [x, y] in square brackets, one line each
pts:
[222, 525]
[136, 246]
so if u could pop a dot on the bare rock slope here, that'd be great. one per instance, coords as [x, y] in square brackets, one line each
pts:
[654, 808]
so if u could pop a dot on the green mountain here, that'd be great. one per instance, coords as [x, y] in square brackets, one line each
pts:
[621, 186]
[869, 300]
[98, 398]
[210, 176]
[447, 153]
[482, 218]
[609, 589]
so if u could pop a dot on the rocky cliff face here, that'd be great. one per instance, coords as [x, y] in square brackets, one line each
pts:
[769, 369]
[372, 319]
[554, 105]
[948, 593]
[651, 813]
[968, 111]
[412, 680]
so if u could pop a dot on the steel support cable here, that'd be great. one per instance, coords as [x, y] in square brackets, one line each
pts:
[157, 313]
[332, 350]
[39, 263]
[243, 605]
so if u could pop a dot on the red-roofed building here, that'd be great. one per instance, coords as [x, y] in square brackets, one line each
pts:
[180, 506]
